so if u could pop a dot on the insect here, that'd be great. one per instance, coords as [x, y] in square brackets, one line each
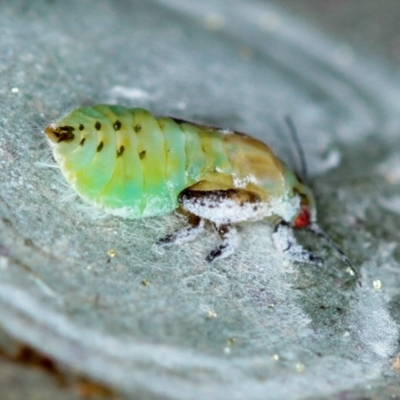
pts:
[132, 164]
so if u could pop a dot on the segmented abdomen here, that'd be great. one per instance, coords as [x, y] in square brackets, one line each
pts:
[134, 165]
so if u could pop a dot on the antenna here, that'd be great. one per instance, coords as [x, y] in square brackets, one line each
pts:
[300, 152]
[316, 230]
[313, 227]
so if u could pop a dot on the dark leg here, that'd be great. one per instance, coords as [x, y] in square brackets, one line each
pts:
[230, 241]
[184, 235]
[286, 243]
[221, 207]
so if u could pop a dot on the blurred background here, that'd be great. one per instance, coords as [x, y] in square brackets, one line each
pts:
[90, 308]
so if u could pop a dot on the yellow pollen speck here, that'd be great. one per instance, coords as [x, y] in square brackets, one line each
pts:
[377, 285]
[211, 314]
[111, 253]
[300, 367]
[275, 357]
[145, 282]
[229, 343]
[14, 90]
[396, 363]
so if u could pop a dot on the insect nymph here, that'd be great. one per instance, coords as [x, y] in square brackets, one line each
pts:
[132, 164]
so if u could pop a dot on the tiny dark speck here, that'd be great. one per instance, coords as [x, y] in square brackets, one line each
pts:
[97, 125]
[81, 127]
[82, 142]
[137, 128]
[120, 151]
[100, 146]
[142, 154]
[117, 125]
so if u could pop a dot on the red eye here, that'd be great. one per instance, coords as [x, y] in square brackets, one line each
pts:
[303, 218]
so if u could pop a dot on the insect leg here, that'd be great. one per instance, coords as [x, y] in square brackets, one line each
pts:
[230, 241]
[285, 242]
[187, 234]
[222, 208]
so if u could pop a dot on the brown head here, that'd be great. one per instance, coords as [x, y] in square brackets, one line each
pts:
[57, 134]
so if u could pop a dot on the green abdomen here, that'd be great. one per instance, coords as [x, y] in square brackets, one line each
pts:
[134, 165]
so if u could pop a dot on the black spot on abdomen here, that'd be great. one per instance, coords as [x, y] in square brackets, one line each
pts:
[120, 151]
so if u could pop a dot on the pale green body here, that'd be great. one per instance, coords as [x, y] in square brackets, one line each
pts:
[135, 165]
